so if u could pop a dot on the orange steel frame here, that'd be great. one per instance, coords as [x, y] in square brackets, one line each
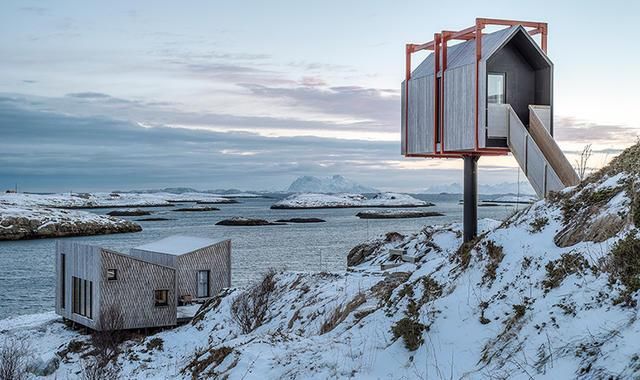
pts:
[439, 44]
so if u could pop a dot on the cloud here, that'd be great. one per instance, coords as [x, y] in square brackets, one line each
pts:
[88, 95]
[582, 131]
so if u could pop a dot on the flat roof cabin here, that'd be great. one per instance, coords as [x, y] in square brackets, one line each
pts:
[105, 290]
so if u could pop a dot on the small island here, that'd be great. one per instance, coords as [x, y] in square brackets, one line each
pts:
[397, 214]
[242, 221]
[130, 212]
[301, 220]
[28, 222]
[196, 209]
[318, 201]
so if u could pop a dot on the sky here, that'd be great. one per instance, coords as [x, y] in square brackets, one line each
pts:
[252, 94]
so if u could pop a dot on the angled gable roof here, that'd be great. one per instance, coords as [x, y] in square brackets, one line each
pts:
[464, 53]
[177, 245]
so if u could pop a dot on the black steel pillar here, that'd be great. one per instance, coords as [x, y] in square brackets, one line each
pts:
[470, 212]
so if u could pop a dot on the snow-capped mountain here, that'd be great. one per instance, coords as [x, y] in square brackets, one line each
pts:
[333, 184]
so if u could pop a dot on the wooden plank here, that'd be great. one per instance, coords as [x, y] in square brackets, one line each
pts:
[548, 146]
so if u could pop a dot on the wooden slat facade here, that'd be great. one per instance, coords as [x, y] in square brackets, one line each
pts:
[132, 292]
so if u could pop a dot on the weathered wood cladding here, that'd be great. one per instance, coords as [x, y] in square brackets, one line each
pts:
[529, 80]
[154, 257]
[459, 108]
[82, 261]
[216, 259]
[132, 293]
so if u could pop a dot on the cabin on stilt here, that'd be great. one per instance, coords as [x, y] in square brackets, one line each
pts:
[490, 94]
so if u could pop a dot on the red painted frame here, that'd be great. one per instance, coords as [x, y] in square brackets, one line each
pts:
[439, 44]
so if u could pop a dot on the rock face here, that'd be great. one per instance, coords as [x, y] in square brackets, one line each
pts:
[397, 214]
[241, 221]
[136, 212]
[301, 220]
[18, 223]
[361, 252]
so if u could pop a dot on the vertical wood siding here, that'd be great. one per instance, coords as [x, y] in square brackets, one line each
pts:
[82, 261]
[459, 108]
[216, 259]
[133, 290]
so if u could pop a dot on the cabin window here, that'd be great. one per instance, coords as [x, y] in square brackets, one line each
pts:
[112, 274]
[82, 297]
[203, 283]
[161, 297]
[63, 276]
[496, 88]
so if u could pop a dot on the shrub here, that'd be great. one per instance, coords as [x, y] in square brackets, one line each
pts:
[519, 311]
[496, 255]
[625, 265]
[249, 309]
[203, 358]
[341, 313]
[108, 339]
[432, 289]
[15, 356]
[559, 269]
[93, 369]
[410, 331]
[155, 343]
[538, 224]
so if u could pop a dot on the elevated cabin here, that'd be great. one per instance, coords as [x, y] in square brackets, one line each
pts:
[488, 94]
[103, 289]
[512, 70]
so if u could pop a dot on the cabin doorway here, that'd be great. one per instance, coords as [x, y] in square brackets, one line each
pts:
[497, 116]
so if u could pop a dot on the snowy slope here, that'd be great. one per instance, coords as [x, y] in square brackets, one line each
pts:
[333, 184]
[314, 200]
[550, 293]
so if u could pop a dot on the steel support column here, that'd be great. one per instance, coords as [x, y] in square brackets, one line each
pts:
[470, 211]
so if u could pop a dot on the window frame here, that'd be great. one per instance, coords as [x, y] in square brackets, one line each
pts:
[208, 283]
[166, 297]
[503, 75]
[115, 274]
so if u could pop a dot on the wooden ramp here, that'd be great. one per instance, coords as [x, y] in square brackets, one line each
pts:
[537, 153]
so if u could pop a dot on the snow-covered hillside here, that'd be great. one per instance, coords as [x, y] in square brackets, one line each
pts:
[330, 185]
[314, 200]
[549, 293]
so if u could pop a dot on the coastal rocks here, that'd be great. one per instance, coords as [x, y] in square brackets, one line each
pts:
[242, 221]
[153, 219]
[196, 209]
[397, 214]
[135, 212]
[359, 253]
[18, 223]
[301, 220]
[216, 202]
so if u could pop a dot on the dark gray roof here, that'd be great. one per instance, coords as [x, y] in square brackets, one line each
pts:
[463, 54]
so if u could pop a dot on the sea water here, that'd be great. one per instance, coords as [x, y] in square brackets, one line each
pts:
[27, 275]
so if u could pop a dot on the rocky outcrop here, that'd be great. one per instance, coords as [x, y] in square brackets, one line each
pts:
[40, 223]
[360, 252]
[397, 214]
[136, 212]
[241, 221]
[301, 220]
[196, 209]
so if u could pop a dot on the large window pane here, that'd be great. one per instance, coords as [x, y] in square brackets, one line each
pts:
[495, 88]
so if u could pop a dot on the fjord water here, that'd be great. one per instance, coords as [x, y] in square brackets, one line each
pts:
[27, 267]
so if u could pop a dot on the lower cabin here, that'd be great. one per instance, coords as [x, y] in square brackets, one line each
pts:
[107, 290]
